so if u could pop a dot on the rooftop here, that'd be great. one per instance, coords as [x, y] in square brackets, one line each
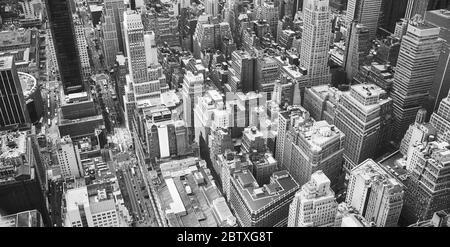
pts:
[319, 134]
[6, 62]
[15, 37]
[30, 218]
[13, 145]
[257, 197]
[28, 82]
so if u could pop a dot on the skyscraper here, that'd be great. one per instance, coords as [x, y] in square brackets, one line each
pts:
[69, 158]
[366, 13]
[357, 48]
[112, 31]
[191, 91]
[311, 146]
[363, 115]
[13, 109]
[416, 66]
[374, 194]
[212, 7]
[416, 7]
[428, 184]
[440, 87]
[67, 56]
[316, 41]
[314, 205]
[134, 42]
[441, 120]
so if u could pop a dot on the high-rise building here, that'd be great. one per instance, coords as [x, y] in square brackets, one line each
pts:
[83, 208]
[253, 140]
[427, 188]
[416, 66]
[113, 11]
[366, 13]
[321, 102]
[363, 114]
[31, 218]
[417, 133]
[286, 120]
[241, 76]
[314, 205]
[231, 162]
[212, 7]
[416, 7]
[67, 55]
[374, 194]
[82, 47]
[441, 120]
[69, 159]
[134, 42]
[210, 34]
[261, 205]
[13, 108]
[311, 146]
[21, 187]
[357, 49]
[268, 11]
[316, 41]
[440, 87]
[191, 91]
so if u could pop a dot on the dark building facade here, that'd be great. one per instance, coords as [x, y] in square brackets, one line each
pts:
[13, 109]
[63, 34]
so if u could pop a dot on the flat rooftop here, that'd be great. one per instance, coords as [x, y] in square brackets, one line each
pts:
[320, 134]
[6, 62]
[257, 197]
[15, 37]
[30, 218]
[13, 145]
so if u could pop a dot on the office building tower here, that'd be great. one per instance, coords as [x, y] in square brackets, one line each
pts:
[82, 48]
[365, 13]
[67, 56]
[219, 141]
[286, 120]
[441, 120]
[266, 73]
[440, 86]
[417, 133]
[113, 11]
[87, 208]
[191, 91]
[314, 205]
[310, 146]
[264, 165]
[241, 76]
[321, 102]
[210, 34]
[134, 42]
[269, 12]
[164, 24]
[316, 41]
[253, 140]
[391, 12]
[358, 47]
[374, 194]
[363, 115]
[416, 66]
[212, 7]
[416, 7]
[21, 186]
[231, 162]
[261, 205]
[120, 72]
[69, 159]
[427, 188]
[13, 108]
